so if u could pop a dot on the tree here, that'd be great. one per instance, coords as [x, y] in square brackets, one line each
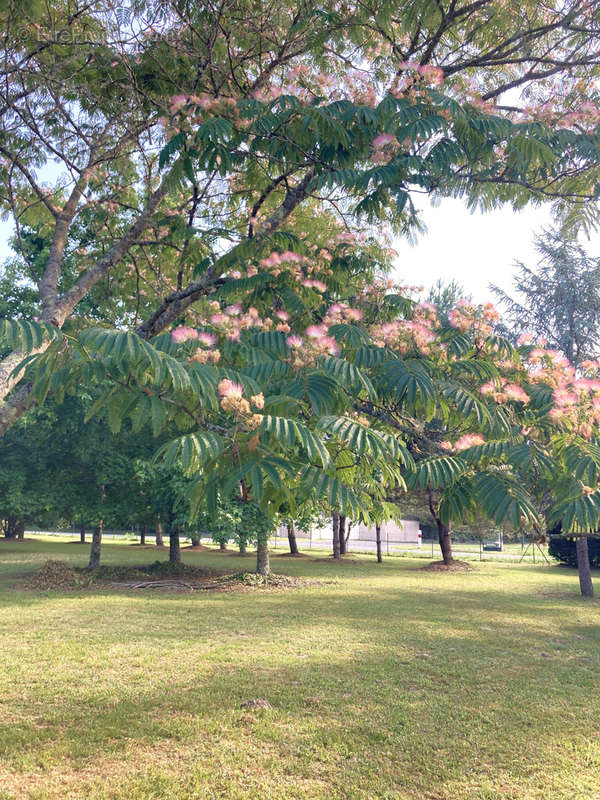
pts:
[559, 299]
[445, 296]
[269, 117]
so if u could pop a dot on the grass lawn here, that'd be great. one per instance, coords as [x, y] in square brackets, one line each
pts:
[389, 683]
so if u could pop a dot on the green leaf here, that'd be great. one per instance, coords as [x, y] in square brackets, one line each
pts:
[437, 472]
[193, 451]
[289, 433]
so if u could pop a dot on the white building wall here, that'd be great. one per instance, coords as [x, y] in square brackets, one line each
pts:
[404, 531]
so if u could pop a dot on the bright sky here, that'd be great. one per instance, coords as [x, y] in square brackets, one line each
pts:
[475, 249]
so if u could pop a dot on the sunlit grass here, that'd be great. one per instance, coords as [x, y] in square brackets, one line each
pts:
[389, 682]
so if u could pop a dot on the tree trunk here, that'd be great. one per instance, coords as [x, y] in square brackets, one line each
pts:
[335, 524]
[222, 545]
[174, 550]
[342, 535]
[242, 546]
[159, 534]
[378, 540]
[263, 564]
[195, 537]
[11, 528]
[583, 566]
[95, 549]
[82, 533]
[445, 541]
[142, 534]
[21, 530]
[292, 538]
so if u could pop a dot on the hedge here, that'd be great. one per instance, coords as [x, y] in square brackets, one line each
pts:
[562, 548]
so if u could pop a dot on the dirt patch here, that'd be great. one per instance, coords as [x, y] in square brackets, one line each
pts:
[196, 547]
[332, 560]
[289, 555]
[454, 566]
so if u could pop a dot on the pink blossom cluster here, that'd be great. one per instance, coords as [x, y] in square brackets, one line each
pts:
[504, 391]
[576, 397]
[341, 312]
[305, 350]
[428, 72]
[479, 319]
[468, 440]
[385, 146]
[406, 335]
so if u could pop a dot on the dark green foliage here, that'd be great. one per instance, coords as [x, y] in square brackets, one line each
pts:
[562, 548]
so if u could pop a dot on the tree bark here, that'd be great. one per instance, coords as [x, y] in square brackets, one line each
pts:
[82, 533]
[242, 547]
[174, 549]
[583, 566]
[195, 537]
[335, 524]
[291, 532]
[143, 534]
[21, 530]
[378, 540]
[263, 564]
[222, 545]
[445, 541]
[159, 533]
[342, 535]
[11, 528]
[96, 547]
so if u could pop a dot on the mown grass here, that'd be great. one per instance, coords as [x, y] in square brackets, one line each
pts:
[389, 683]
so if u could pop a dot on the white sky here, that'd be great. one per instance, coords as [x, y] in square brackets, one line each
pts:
[475, 249]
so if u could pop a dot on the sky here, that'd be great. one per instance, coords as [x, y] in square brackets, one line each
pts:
[475, 249]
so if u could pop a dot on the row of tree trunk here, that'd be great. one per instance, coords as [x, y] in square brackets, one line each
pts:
[13, 528]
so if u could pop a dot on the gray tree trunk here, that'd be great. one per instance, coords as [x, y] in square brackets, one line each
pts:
[96, 547]
[378, 540]
[583, 566]
[291, 533]
[263, 564]
[174, 549]
[445, 541]
[335, 524]
[342, 535]
[159, 533]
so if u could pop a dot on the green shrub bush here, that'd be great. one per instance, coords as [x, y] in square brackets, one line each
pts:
[562, 548]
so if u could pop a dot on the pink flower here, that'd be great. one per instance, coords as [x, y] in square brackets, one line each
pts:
[227, 388]
[294, 341]
[182, 334]
[383, 139]
[207, 339]
[516, 393]
[315, 331]
[468, 440]
[177, 103]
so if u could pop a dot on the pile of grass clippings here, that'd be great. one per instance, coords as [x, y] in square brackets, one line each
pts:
[56, 575]
[454, 566]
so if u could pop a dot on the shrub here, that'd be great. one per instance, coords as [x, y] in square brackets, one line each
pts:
[562, 548]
